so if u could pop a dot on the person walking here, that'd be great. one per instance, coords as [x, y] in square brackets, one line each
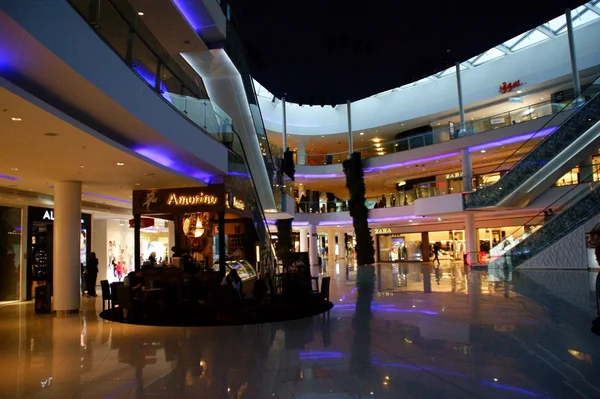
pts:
[92, 274]
[436, 253]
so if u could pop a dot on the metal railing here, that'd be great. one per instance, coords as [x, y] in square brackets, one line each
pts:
[119, 26]
[588, 105]
[439, 135]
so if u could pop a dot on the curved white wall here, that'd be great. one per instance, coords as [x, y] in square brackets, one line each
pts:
[534, 65]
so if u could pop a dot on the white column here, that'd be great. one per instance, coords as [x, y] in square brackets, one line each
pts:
[67, 232]
[100, 245]
[284, 141]
[23, 256]
[572, 52]
[350, 138]
[471, 238]
[342, 245]
[331, 245]
[301, 153]
[313, 251]
[461, 107]
[304, 239]
[171, 227]
[467, 170]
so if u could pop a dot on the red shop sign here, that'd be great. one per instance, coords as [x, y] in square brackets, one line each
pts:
[508, 87]
[144, 223]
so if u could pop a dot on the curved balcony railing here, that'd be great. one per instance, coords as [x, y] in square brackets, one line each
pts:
[409, 195]
[119, 26]
[440, 135]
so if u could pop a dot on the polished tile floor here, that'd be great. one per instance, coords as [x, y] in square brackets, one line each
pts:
[396, 331]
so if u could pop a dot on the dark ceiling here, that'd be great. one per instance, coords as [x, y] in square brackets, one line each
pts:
[322, 52]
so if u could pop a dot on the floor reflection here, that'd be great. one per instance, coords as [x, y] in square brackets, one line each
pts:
[397, 330]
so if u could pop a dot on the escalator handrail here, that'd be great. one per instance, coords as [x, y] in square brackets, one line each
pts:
[548, 123]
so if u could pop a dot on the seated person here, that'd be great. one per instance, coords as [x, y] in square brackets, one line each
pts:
[136, 280]
[234, 282]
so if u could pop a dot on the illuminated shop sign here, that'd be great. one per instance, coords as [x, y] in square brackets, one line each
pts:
[507, 87]
[383, 231]
[187, 200]
[455, 175]
[49, 215]
[213, 198]
[234, 202]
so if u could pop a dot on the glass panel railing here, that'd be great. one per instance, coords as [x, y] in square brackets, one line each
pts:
[120, 26]
[117, 23]
[579, 187]
[578, 123]
[406, 196]
[556, 225]
[443, 134]
[241, 176]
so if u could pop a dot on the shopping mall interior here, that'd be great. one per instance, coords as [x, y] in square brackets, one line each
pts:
[155, 138]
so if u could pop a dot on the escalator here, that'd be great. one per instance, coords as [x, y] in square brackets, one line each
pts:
[577, 206]
[569, 145]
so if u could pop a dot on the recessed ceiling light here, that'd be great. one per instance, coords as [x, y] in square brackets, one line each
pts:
[50, 134]
[483, 151]
[541, 98]
[120, 164]
[141, 14]
[439, 123]
[80, 166]
[14, 168]
[15, 119]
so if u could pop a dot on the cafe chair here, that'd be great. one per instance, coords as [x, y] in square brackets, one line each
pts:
[105, 294]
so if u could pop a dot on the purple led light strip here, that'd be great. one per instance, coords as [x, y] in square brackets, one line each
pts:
[371, 220]
[7, 177]
[492, 144]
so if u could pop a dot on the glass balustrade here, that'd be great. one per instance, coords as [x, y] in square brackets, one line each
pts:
[443, 134]
[578, 123]
[117, 23]
[408, 195]
[555, 225]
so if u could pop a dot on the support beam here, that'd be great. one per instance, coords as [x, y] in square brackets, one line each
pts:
[573, 53]
[284, 145]
[67, 245]
[350, 138]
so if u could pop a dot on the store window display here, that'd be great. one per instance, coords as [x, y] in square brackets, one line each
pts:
[40, 249]
[154, 239]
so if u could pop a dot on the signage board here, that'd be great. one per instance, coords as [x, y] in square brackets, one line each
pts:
[212, 198]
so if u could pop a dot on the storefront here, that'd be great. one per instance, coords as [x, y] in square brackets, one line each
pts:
[10, 253]
[394, 245]
[212, 224]
[40, 238]
[114, 244]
